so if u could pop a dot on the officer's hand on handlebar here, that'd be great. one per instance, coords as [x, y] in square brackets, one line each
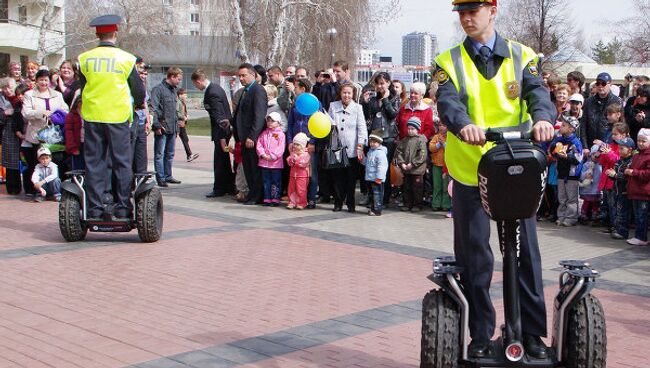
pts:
[472, 134]
[543, 131]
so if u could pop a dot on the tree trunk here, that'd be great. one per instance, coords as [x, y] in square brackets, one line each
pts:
[41, 51]
[239, 31]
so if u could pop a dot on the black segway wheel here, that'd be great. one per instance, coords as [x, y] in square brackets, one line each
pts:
[440, 345]
[70, 222]
[586, 336]
[149, 216]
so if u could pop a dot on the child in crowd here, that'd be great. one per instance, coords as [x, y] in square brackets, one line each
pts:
[240, 177]
[638, 187]
[617, 173]
[589, 193]
[440, 198]
[376, 162]
[74, 140]
[299, 160]
[270, 149]
[608, 156]
[567, 149]
[181, 113]
[46, 177]
[411, 158]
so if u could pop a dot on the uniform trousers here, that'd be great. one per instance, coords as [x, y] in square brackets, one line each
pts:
[473, 253]
[104, 143]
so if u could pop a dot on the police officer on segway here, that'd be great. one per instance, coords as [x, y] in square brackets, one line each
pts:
[110, 88]
[490, 82]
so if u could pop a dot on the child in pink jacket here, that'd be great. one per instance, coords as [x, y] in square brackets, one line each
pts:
[270, 150]
[299, 160]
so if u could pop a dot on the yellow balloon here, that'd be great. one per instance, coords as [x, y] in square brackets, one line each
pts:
[319, 125]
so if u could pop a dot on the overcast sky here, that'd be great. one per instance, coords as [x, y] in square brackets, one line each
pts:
[436, 17]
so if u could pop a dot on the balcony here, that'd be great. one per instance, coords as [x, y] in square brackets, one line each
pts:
[24, 36]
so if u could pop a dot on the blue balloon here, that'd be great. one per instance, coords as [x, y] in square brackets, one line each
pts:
[307, 104]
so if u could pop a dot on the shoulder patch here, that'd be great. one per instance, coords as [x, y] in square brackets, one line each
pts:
[442, 77]
[532, 68]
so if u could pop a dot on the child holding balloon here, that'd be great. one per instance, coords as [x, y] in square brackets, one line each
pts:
[299, 160]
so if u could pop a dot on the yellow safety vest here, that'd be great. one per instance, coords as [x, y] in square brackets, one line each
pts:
[106, 97]
[494, 103]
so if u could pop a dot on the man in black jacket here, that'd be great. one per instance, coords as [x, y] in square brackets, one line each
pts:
[248, 123]
[216, 104]
[594, 121]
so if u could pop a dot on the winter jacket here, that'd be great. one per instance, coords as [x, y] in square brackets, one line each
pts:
[388, 110]
[351, 125]
[620, 186]
[299, 165]
[412, 150]
[73, 132]
[569, 167]
[376, 163]
[163, 104]
[437, 149]
[47, 173]
[422, 112]
[594, 121]
[589, 178]
[271, 142]
[607, 161]
[638, 185]
[34, 107]
[631, 109]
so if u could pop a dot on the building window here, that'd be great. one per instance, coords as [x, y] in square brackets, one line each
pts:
[4, 11]
[22, 14]
[194, 18]
[23, 63]
[167, 2]
[195, 33]
[4, 63]
[194, 2]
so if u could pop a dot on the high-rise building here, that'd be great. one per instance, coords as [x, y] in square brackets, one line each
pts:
[419, 48]
[367, 57]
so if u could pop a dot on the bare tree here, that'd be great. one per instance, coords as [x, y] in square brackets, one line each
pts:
[544, 25]
[635, 34]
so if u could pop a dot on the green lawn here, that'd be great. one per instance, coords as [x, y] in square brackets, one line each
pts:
[199, 126]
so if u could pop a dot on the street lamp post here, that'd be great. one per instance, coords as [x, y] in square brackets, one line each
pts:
[331, 33]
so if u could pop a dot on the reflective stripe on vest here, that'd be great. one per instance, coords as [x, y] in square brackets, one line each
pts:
[106, 97]
[487, 103]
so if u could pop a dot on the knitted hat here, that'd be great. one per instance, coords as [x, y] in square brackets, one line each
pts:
[301, 139]
[627, 142]
[571, 120]
[644, 132]
[414, 122]
[377, 136]
[275, 116]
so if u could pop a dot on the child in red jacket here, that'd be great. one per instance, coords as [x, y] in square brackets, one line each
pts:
[74, 138]
[608, 157]
[638, 187]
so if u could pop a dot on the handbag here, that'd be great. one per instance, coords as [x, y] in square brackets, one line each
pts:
[335, 156]
[52, 137]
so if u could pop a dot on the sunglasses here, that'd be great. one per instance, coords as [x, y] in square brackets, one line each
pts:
[601, 83]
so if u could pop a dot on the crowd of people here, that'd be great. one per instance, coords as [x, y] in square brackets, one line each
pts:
[392, 138]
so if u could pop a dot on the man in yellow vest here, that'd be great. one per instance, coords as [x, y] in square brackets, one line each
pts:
[490, 82]
[110, 89]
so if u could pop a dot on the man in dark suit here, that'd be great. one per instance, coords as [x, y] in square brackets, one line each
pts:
[249, 122]
[216, 104]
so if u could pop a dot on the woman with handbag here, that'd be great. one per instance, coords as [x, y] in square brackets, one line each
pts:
[38, 106]
[348, 138]
[380, 108]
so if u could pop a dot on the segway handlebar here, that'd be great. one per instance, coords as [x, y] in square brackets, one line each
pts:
[497, 135]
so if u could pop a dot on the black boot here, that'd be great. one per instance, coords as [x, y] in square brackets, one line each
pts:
[534, 347]
[479, 348]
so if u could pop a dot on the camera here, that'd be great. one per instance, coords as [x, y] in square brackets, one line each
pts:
[373, 94]
[326, 75]
[290, 79]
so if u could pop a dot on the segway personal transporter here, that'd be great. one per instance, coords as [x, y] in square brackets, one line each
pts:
[512, 177]
[147, 215]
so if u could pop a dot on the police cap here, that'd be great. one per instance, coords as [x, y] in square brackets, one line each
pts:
[471, 4]
[106, 23]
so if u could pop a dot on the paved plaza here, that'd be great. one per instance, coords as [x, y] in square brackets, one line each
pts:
[249, 286]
